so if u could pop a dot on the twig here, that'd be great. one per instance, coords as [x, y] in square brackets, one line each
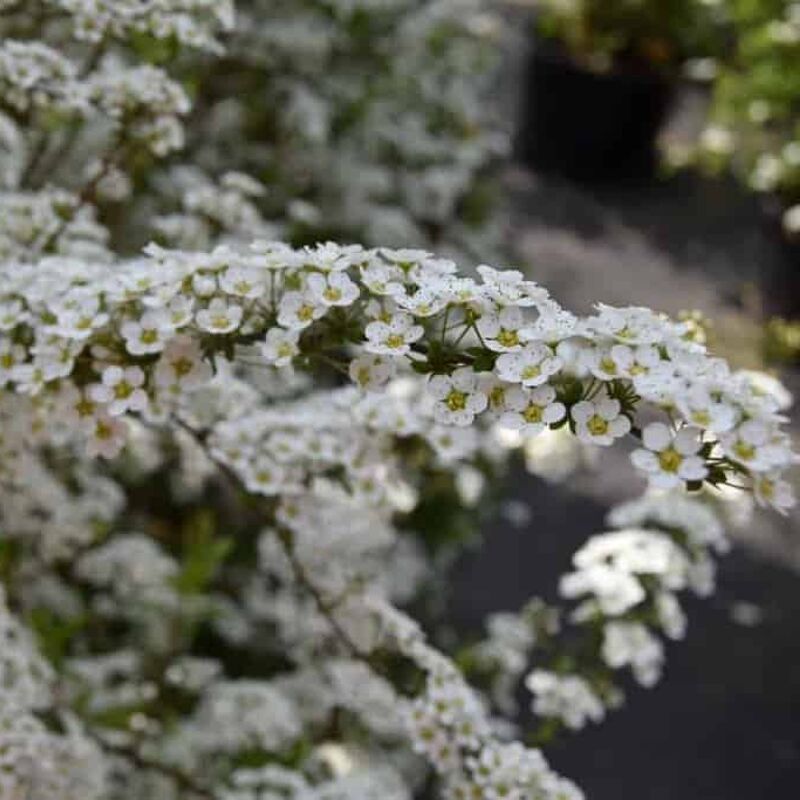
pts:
[285, 538]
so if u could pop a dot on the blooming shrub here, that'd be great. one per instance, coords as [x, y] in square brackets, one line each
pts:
[659, 35]
[226, 474]
[361, 121]
[754, 128]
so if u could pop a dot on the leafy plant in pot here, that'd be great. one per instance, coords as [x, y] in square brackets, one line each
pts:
[755, 133]
[601, 78]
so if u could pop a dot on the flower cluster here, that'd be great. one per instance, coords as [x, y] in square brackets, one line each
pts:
[383, 135]
[438, 366]
[628, 581]
[192, 23]
[102, 345]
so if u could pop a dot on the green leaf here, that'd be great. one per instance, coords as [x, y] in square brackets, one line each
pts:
[53, 633]
[203, 553]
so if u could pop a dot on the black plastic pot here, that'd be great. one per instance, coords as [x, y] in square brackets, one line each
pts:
[780, 274]
[587, 125]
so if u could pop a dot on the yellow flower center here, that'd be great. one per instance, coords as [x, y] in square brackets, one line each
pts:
[608, 366]
[123, 390]
[103, 430]
[507, 338]
[362, 376]
[670, 459]
[530, 372]
[85, 407]
[305, 313]
[744, 451]
[597, 426]
[182, 366]
[701, 417]
[456, 401]
[148, 336]
[395, 340]
[625, 333]
[497, 396]
[6, 361]
[533, 413]
[332, 294]
[219, 321]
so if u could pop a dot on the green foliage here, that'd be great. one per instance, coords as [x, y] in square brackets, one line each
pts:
[659, 34]
[54, 633]
[203, 553]
[782, 341]
[757, 98]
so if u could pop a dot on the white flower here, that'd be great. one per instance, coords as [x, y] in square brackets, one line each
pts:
[12, 314]
[381, 278]
[452, 444]
[791, 220]
[614, 590]
[11, 355]
[56, 356]
[501, 330]
[771, 490]
[204, 285]
[610, 363]
[532, 410]
[509, 287]
[371, 372]
[280, 346]
[497, 393]
[79, 321]
[332, 289]
[297, 310]
[107, 437]
[700, 408]
[181, 366]
[566, 697]
[394, 337]
[242, 281]
[631, 644]
[120, 390]
[553, 325]
[631, 325]
[179, 311]
[531, 366]
[599, 421]
[756, 445]
[265, 476]
[670, 458]
[148, 334]
[459, 397]
[671, 616]
[77, 406]
[424, 302]
[219, 317]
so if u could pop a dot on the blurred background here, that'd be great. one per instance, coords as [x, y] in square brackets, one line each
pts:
[656, 161]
